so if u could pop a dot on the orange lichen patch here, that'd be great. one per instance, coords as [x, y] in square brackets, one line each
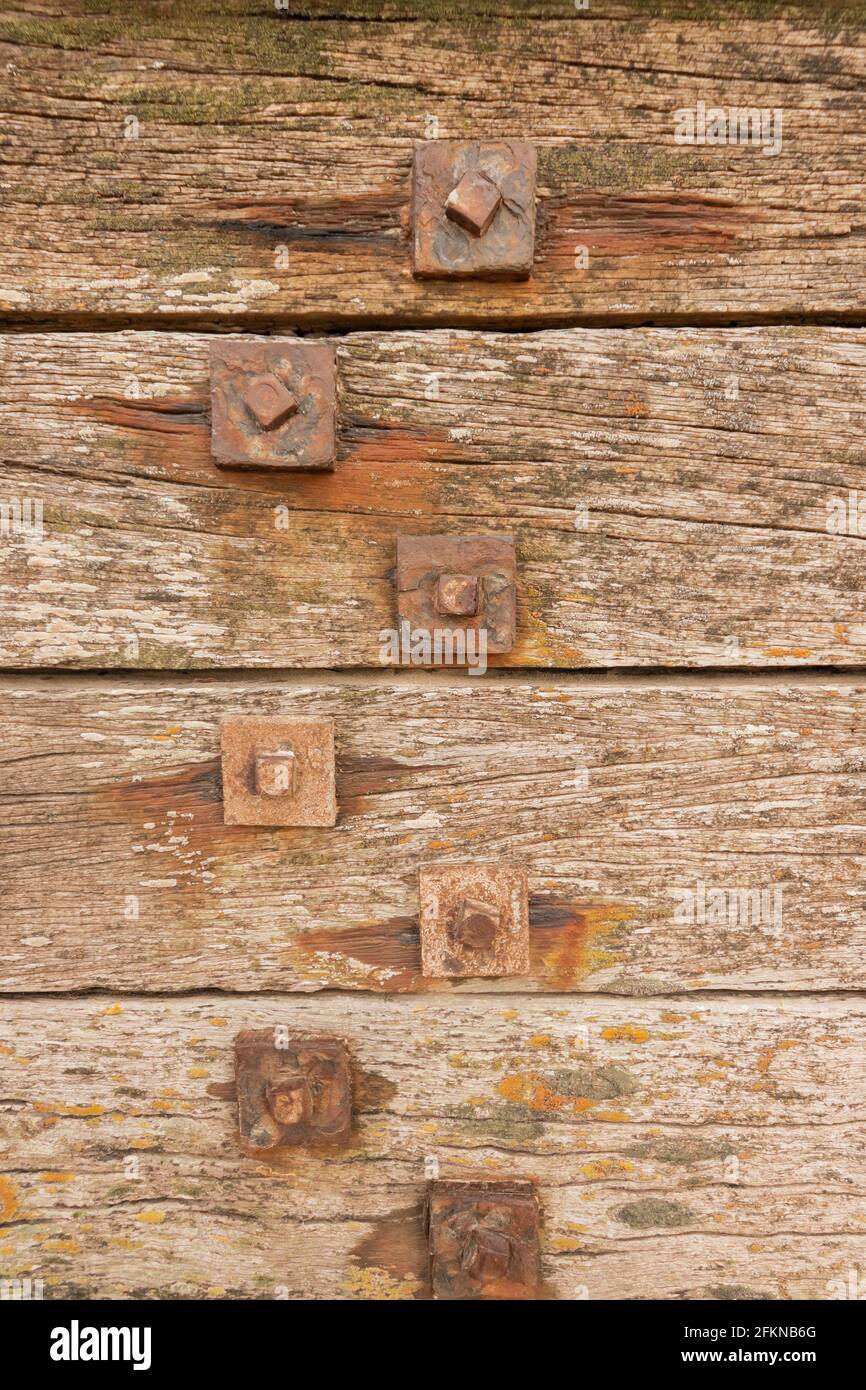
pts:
[152, 1218]
[45, 1108]
[769, 1053]
[668, 1016]
[606, 1167]
[566, 1243]
[613, 1117]
[634, 406]
[196, 1072]
[840, 632]
[218, 1022]
[56, 1177]
[627, 1032]
[8, 1199]
[124, 1243]
[62, 1247]
[509, 1014]
[561, 934]
[530, 1089]
[799, 652]
[457, 1060]
[6, 1051]
[112, 1010]
[168, 735]
[540, 1040]
[143, 1143]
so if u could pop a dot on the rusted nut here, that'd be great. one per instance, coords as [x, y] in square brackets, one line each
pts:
[457, 595]
[459, 586]
[484, 1239]
[475, 925]
[289, 1100]
[474, 202]
[473, 209]
[278, 772]
[474, 920]
[275, 773]
[273, 403]
[486, 1254]
[291, 1090]
[269, 401]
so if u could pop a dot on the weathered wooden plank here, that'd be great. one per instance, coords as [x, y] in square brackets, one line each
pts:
[670, 492]
[178, 164]
[700, 1153]
[120, 874]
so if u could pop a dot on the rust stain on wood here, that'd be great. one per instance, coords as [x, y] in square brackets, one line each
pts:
[192, 787]
[164, 414]
[561, 934]
[613, 225]
[397, 1246]
[375, 215]
[392, 947]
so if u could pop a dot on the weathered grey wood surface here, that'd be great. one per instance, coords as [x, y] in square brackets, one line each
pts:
[268, 174]
[614, 795]
[707, 1150]
[670, 492]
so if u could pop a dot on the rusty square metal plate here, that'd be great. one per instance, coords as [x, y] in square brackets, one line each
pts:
[458, 584]
[291, 1090]
[473, 209]
[483, 1240]
[474, 920]
[278, 772]
[273, 403]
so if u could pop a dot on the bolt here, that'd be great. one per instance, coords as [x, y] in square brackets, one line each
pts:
[476, 925]
[486, 1254]
[289, 1100]
[474, 202]
[269, 401]
[457, 595]
[276, 773]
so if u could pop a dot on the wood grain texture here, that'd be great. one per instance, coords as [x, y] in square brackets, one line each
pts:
[669, 490]
[615, 797]
[715, 1151]
[269, 177]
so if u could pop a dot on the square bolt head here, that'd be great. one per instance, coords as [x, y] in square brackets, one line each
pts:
[273, 403]
[459, 584]
[269, 401]
[278, 772]
[457, 595]
[474, 202]
[291, 1090]
[474, 920]
[275, 773]
[473, 209]
[484, 1240]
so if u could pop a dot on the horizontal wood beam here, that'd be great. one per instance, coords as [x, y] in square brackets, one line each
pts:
[621, 800]
[208, 167]
[678, 498]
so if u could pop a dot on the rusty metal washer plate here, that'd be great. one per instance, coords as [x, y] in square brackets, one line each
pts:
[474, 920]
[291, 1090]
[483, 1240]
[454, 232]
[422, 561]
[272, 403]
[278, 772]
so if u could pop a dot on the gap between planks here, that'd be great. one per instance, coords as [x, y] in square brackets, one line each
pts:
[313, 324]
[625, 678]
